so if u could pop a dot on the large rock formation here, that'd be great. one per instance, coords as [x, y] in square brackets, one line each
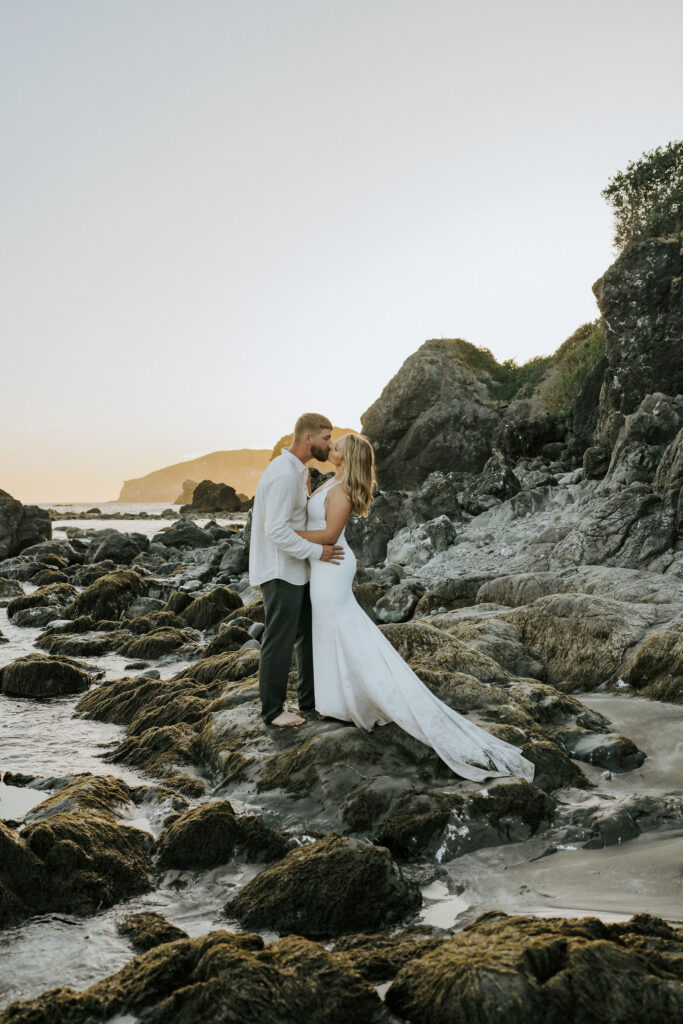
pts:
[241, 469]
[641, 300]
[434, 414]
[21, 525]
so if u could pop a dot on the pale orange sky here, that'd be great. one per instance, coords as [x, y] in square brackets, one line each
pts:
[219, 215]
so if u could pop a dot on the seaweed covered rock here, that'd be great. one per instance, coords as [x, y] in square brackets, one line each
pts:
[210, 608]
[159, 642]
[332, 886]
[73, 856]
[108, 596]
[39, 675]
[211, 834]
[219, 978]
[229, 639]
[183, 534]
[448, 825]
[526, 968]
[48, 601]
[148, 930]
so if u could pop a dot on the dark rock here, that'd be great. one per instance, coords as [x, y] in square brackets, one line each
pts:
[447, 825]
[211, 497]
[332, 886]
[37, 675]
[121, 548]
[521, 433]
[212, 834]
[21, 525]
[641, 301]
[183, 534]
[158, 643]
[399, 602]
[496, 480]
[454, 592]
[434, 413]
[586, 407]
[595, 463]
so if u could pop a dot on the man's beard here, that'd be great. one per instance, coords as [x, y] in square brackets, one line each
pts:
[319, 453]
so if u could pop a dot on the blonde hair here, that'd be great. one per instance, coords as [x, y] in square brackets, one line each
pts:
[310, 423]
[358, 475]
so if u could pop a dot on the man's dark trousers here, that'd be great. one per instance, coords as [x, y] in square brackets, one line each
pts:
[288, 627]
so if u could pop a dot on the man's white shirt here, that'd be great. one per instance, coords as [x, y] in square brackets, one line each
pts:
[276, 551]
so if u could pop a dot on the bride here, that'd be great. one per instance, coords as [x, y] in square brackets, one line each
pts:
[359, 676]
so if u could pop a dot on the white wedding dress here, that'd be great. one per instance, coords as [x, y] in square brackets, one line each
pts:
[361, 678]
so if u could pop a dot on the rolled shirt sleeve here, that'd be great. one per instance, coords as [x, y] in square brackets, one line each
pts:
[280, 501]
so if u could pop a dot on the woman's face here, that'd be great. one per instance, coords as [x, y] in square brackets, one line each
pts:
[336, 452]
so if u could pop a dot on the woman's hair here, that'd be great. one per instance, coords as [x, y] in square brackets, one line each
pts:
[358, 477]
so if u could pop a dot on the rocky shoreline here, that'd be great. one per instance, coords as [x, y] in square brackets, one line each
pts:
[525, 562]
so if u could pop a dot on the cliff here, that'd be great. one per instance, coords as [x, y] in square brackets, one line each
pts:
[240, 469]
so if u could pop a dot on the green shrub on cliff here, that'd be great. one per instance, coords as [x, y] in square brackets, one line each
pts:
[647, 198]
[573, 360]
[504, 380]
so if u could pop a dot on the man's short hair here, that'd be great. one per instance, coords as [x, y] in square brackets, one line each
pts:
[310, 423]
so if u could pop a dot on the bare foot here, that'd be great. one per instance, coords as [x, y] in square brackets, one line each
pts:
[286, 718]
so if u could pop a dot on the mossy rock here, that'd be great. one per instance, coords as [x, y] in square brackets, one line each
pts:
[108, 596]
[46, 576]
[223, 667]
[448, 825]
[148, 930]
[229, 639]
[123, 701]
[178, 602]
[38, 675]
[379, 957]
[84, 647]
[219, 978]
[212, 834]
[207, 610]
[54, 595]
[527, 968]
[254, 611]
[158, 643]
[335, 885]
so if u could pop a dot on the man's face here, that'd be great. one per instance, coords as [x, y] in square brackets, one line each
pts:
[320, 445]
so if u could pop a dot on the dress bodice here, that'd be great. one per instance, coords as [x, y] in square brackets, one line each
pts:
[316, 506]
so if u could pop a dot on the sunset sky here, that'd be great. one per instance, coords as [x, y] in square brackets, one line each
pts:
[219, 214]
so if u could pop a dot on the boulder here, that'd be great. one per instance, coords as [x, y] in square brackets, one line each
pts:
[183, 534]
[642, 439]
[208, 609]
[211, 497]
[641, 302]
[434, 413]
[148, 930]
[121, 548]
[399, 602]
[212, 834]
[21, 525]
[417, 545]
[109, 596]
[500, 969]
[38, 675]
[185, 496]
[329, 887]
[496, 480]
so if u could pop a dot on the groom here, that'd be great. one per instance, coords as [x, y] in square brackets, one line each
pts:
[278, 563]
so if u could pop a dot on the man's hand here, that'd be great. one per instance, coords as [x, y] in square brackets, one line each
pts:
[332, 553]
